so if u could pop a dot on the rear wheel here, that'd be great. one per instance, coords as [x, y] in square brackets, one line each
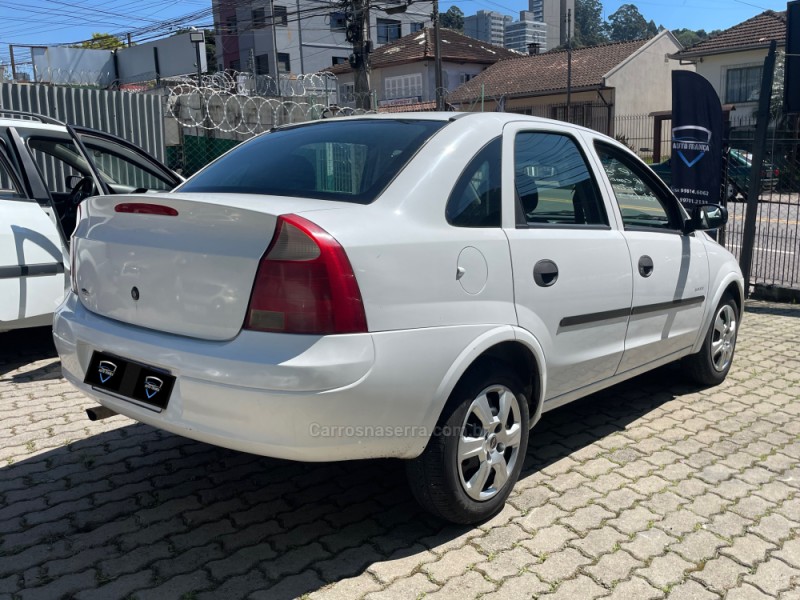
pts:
[474, 458]
[710, 366]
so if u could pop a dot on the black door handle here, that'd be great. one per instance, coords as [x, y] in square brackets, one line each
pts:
[645, 266]
[545, 273]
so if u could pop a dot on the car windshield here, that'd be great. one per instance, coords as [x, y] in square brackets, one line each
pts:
[350, 161]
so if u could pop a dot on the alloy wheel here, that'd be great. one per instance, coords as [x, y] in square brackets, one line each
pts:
[723, 338]
[489, 442]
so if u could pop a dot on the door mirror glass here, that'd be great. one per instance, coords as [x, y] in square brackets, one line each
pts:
[708, 216]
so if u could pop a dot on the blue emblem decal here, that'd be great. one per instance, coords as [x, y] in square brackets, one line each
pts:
[691, 142]
[106, 370]
[152, 385]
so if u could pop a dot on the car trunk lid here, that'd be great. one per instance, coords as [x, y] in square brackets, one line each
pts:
[182, 264]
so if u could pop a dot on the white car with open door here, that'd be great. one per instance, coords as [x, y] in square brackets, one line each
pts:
[421, 286]
[47, 169]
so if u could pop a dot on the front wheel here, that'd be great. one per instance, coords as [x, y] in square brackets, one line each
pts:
[711, 364]
[474, 458]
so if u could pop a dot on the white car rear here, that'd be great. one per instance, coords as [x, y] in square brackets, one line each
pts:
[420, 287]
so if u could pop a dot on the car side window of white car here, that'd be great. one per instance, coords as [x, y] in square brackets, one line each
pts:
[58, 160]
[641, 204]
[121, 166]
[553, 183]
[476, 197]
[9, 188]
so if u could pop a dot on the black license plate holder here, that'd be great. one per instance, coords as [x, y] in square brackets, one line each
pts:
[130, 379]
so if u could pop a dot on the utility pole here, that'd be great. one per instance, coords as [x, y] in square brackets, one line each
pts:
[437, 59]
[274, 44]
[569, 62]
[357, 32]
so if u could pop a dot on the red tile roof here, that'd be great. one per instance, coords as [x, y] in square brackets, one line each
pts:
[757, 32]
[416, 107]
[544, 74]
[419, 45]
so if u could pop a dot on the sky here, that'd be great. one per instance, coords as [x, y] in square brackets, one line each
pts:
[45, 22]
[672, 14]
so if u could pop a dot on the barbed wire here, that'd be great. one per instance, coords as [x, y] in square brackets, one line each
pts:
[250, 84]
[248, 104]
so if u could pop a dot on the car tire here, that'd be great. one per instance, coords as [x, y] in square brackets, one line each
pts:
[711, 364]
[454, 478]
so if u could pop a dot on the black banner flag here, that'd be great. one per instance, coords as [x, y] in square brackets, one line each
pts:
[697, 131]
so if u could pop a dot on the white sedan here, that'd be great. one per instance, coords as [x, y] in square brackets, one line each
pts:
[421, 287]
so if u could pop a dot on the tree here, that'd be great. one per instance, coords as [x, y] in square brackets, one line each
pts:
[589, 27]
[687, 37]
[452, 19]
[627, 24]
[103, 41]
[211, 50]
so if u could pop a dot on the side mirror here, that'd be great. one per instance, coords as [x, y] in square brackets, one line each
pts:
[705, 217]
[72, 180]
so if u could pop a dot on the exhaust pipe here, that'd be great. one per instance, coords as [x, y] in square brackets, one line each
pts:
[99, 412]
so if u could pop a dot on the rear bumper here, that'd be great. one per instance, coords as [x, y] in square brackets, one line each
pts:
[304, 398]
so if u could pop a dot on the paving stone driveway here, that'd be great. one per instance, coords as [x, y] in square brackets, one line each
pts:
[647, 490]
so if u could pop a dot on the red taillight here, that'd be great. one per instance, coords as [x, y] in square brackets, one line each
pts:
[305, 284]
[141, 208]
[73, 275]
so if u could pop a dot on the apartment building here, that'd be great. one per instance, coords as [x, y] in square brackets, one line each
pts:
[267, 37]
[554, 13]
[527, 35]
[487, 26]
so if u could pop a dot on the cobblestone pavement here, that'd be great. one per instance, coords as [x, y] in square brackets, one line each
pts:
[651, 489]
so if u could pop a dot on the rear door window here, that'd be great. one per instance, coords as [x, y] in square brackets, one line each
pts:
[553, 183]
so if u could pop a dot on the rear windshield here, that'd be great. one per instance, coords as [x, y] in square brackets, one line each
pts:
[350, 161]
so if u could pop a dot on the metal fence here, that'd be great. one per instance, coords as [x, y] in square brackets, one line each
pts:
[776, 252]
[134, 117]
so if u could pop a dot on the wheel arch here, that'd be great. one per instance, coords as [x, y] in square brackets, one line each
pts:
[511, 345]
[732, 284]
[524, 363]
[735, 289]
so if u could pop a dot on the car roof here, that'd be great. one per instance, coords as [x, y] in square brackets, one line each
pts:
[21, 123]
[498, 118]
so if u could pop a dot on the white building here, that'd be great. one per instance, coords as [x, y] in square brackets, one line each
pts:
[487, 26]
[403, 73]
[307, 36]
[527, 35]
[732, 61]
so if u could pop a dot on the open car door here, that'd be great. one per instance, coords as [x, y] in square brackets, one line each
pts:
[124, 167]
[32, 247]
